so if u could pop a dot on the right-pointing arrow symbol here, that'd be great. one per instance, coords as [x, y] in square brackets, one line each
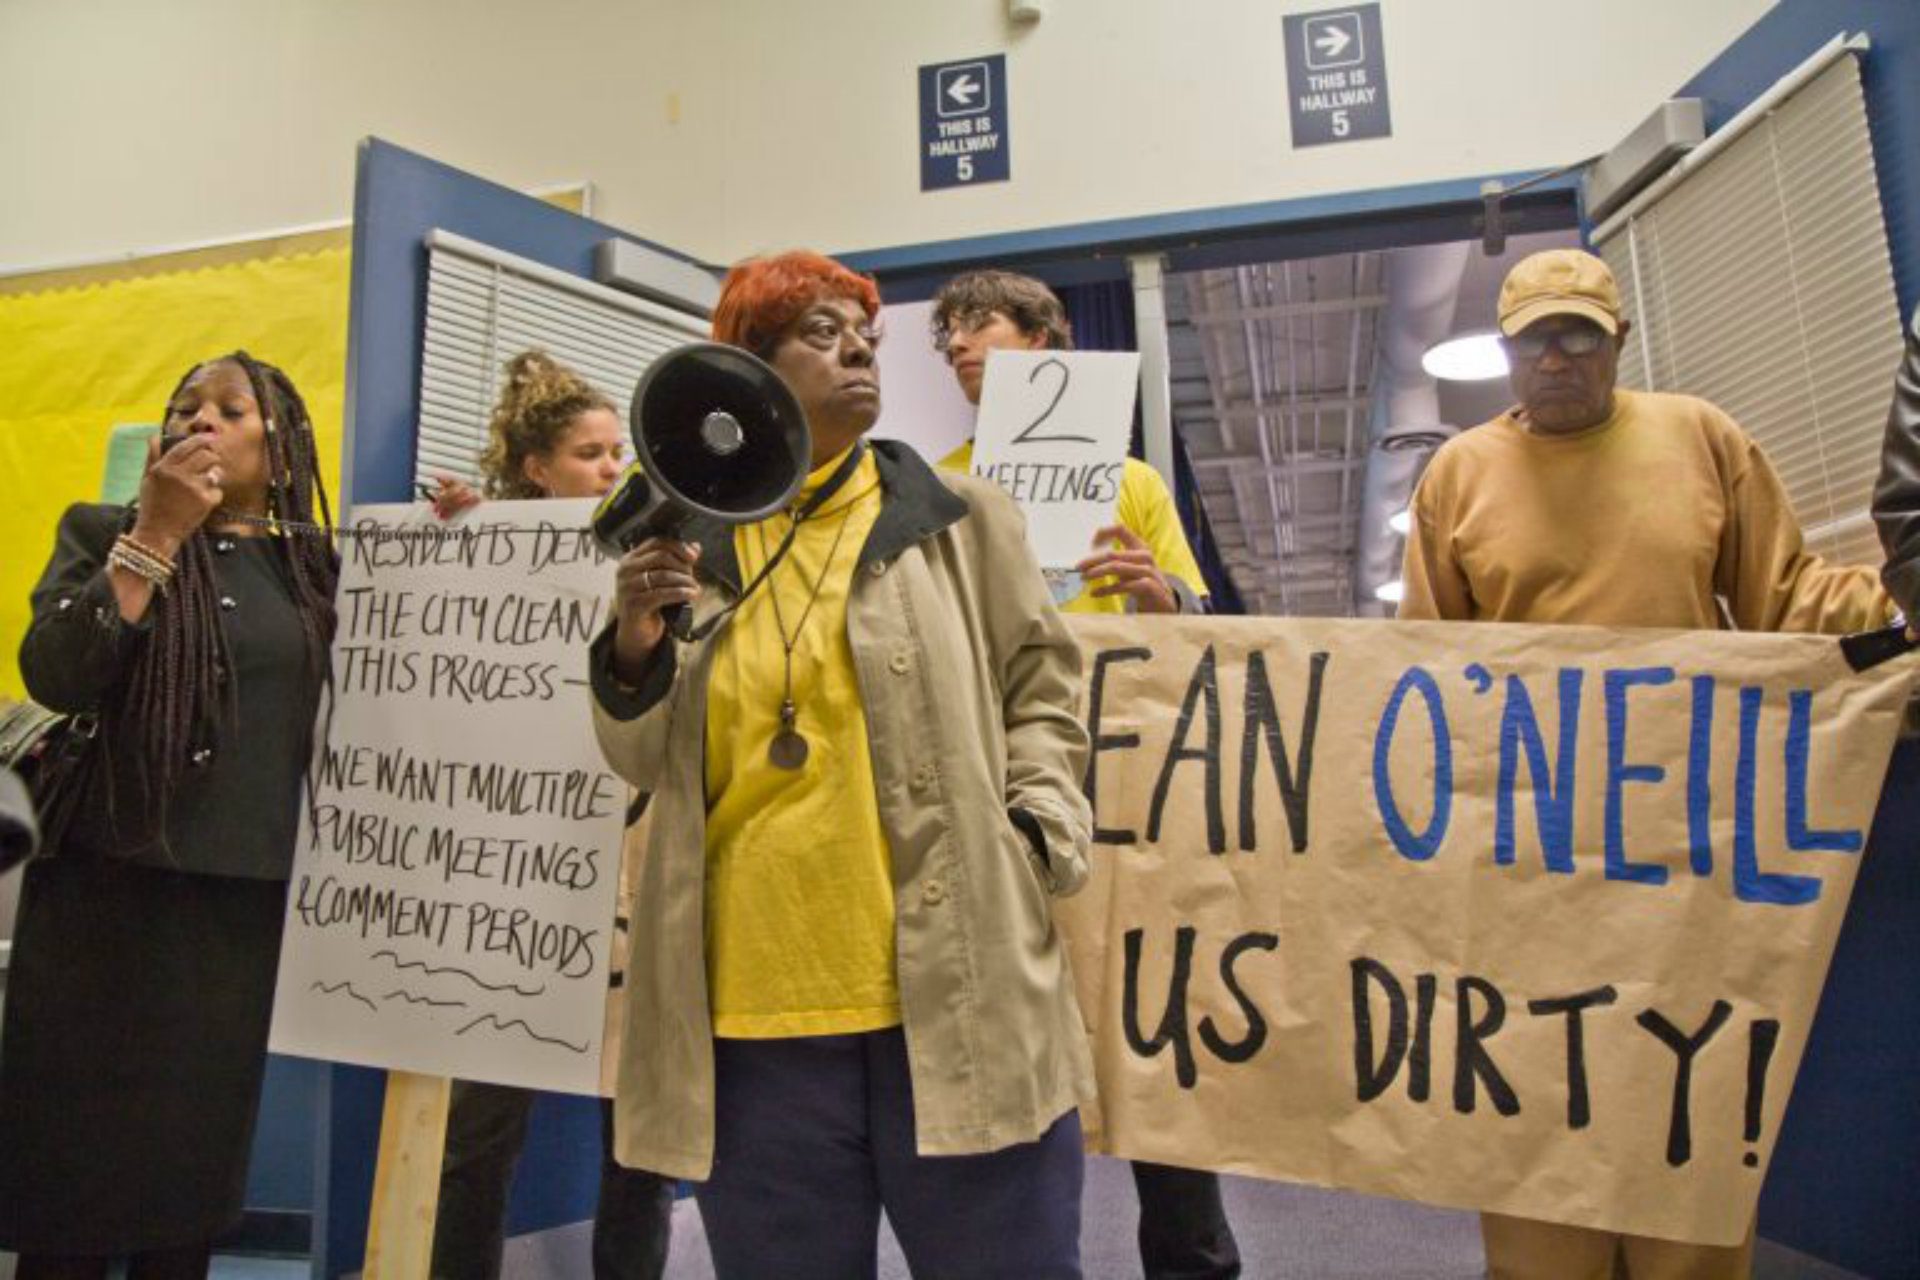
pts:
[1333, 42]
[962, 90]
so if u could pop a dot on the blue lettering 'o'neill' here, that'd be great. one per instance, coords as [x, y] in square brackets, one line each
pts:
[1423, 846]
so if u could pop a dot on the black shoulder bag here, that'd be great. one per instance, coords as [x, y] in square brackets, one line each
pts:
[51, 753]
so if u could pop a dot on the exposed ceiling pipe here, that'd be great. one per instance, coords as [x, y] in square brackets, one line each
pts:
[1404, 426]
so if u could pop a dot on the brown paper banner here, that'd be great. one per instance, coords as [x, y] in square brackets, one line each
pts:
[1530, 919]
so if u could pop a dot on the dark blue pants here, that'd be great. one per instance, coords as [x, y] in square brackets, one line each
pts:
[815, 1137]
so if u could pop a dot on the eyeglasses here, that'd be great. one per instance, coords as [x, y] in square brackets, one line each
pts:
[1583, 340]
[962, 323]
[825, 332]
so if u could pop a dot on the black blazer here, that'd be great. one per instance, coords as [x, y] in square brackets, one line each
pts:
[237, 811]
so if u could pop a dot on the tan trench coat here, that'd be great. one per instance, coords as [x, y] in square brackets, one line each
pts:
[972, 692]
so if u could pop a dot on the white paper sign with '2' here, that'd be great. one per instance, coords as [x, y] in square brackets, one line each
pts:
[451, 907]
[1052, 432]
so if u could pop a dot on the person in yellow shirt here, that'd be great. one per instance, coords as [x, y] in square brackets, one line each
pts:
[1586, 503]
[845, 992]
[1142, 561]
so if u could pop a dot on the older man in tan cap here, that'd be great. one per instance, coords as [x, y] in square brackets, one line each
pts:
[1585, 503]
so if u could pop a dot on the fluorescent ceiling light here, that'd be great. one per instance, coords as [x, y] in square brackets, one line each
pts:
[1401, 521]
[1473, 357]
[1390, 592]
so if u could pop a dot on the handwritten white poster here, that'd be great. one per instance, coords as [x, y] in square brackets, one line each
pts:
[1052, 432]
[451, 907]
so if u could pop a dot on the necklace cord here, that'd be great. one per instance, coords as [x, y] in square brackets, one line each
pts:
[841, 474]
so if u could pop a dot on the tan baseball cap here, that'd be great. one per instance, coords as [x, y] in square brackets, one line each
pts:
[1559, 282]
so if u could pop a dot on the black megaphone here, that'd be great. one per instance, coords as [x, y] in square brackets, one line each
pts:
[716, 434]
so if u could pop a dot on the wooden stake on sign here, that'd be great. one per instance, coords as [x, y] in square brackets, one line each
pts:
[406, 1177]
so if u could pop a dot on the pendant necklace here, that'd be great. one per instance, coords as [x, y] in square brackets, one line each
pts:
[789, 750]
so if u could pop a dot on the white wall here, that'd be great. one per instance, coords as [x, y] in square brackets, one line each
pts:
[1129, 107]
[728, 126]
[133, 124]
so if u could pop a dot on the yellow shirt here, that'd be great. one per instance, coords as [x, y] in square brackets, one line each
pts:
[1640, 521]
[800, 926]
[1143, 507]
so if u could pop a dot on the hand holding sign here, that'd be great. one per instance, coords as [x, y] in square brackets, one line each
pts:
[1129, 569]
[1052, 432]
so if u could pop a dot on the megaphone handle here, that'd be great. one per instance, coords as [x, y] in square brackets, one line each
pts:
[679, 619]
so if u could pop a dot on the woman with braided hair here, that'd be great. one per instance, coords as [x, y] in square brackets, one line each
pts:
[194, 625]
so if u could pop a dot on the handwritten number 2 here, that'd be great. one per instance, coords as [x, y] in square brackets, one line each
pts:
[1066, 376]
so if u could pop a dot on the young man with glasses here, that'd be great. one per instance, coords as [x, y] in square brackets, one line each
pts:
[1588, 504]
[1139, 564]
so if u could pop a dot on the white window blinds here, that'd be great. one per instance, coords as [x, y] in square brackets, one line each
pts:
[1760, 281]
[484, 306]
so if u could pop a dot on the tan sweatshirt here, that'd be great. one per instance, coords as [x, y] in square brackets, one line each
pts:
[1640, 521]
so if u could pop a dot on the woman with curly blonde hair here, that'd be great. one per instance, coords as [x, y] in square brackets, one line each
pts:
[551, 435]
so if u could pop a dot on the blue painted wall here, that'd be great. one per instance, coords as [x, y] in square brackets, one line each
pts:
[1845, 1181]
[281, 1171]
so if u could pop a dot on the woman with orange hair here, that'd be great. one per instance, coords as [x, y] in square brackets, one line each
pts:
[866, 786]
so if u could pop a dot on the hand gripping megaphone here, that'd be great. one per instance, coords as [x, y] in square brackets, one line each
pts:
[716, 435]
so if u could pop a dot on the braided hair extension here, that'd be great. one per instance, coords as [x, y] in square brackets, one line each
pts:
[178, 694]
[295, 491]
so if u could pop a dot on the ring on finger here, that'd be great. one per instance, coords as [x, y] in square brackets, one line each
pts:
[646, 579]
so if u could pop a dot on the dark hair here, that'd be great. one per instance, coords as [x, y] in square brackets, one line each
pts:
[762, 296]
[179, 690]
[970, 298]
[540, 402]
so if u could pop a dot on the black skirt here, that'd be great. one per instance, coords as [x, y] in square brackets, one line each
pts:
[135, 1040]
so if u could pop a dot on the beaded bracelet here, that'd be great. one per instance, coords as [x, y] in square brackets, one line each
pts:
[142, 562]
[157, 557]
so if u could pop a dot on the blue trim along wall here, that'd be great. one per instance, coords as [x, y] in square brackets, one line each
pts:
[1388, 217]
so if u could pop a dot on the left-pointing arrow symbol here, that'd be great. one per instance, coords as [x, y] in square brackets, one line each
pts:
[1333, 42]
[962, 90]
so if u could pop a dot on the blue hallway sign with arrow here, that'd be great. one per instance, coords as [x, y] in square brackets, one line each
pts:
[1337, 76]
[963, 123]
